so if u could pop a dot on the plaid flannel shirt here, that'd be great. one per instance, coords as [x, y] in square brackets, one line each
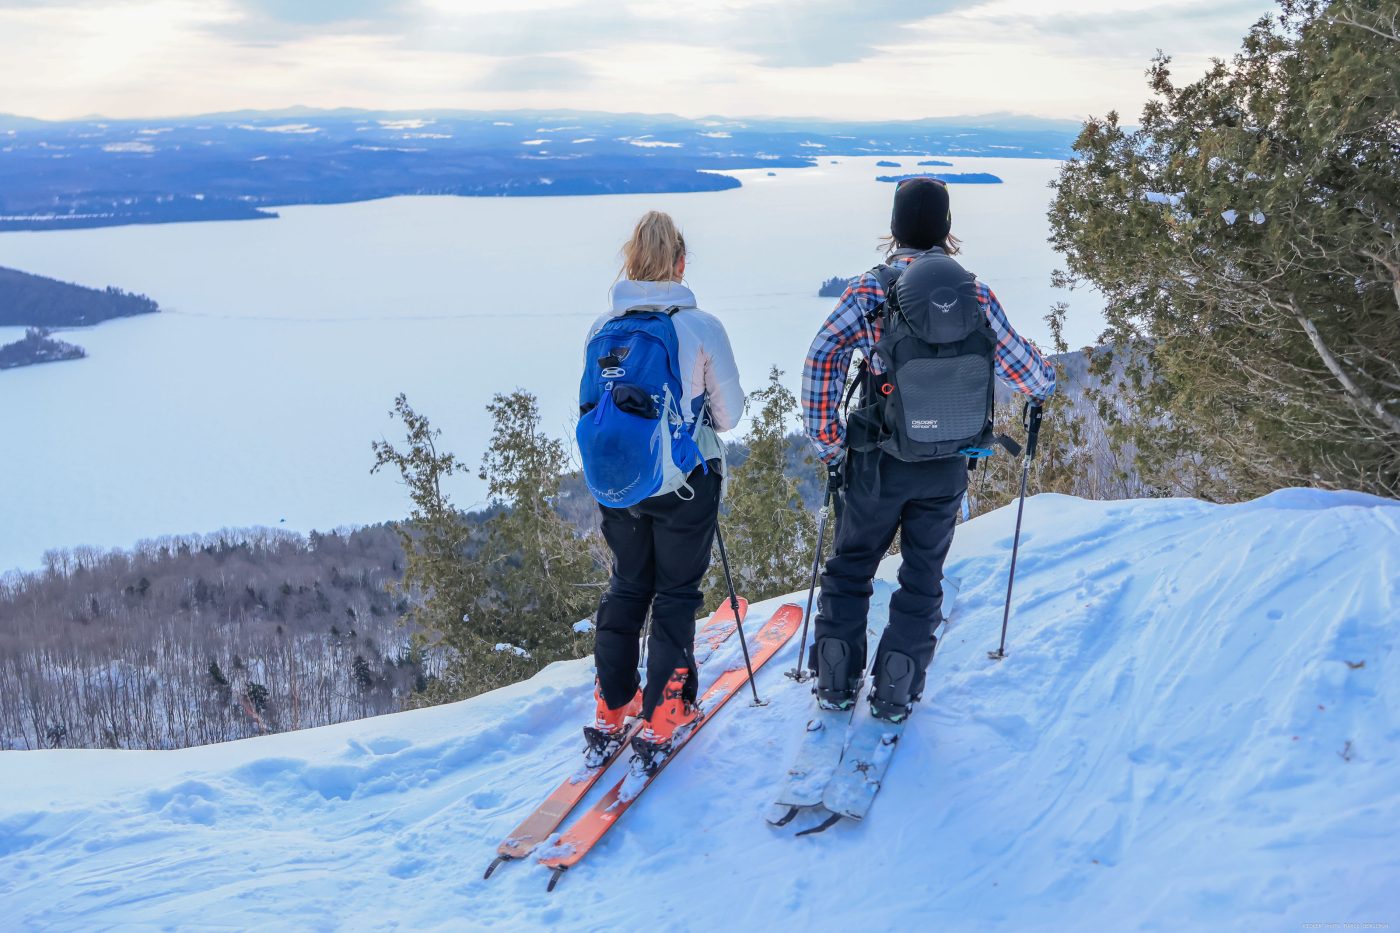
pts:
[1017, 362]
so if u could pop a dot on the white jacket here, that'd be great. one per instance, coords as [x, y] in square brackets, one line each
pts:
[710, 377]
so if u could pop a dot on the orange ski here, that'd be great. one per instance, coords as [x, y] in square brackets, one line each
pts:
[557, 806]
[599, 818]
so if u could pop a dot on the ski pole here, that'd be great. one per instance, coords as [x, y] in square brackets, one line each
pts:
[798, 673]
[1032, 422]
[738, 622]
[981, 481]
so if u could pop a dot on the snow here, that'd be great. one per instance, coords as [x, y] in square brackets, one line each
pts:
[646, 142]
[129, 147]
[293, 128]
[1196, 726]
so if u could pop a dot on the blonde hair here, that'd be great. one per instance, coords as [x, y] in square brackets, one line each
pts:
[654, 249]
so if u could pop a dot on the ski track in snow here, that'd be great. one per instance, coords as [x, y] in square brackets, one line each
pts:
[1165, 747]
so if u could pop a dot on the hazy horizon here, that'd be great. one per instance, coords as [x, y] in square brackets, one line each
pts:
[298, 109]
[68, 59]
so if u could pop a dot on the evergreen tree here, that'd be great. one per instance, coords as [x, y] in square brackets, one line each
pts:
[258, 695]
[1073, 455]
[768, 532]
[439, 580]
[1245, 238]
[364, 677]
[483, 589]
[546, 573]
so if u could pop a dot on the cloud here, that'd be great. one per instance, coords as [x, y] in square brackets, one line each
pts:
[325, 12]
[1212, 27]
[537, 73]
[814, 33]
[775, 33]
[275, 21]
[794, 57]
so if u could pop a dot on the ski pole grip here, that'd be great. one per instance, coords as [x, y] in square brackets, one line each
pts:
[834, 479]
[1033, 416]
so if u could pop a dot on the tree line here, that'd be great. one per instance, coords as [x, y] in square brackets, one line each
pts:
[203, 638]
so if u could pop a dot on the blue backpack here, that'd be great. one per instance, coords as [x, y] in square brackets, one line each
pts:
[631, 434]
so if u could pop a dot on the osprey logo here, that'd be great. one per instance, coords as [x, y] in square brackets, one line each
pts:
[945, 308]
[923, 424]
[611, 364]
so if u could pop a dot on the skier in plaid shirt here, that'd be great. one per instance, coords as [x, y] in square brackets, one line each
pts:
[883, 494]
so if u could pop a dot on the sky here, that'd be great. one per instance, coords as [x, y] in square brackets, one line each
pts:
[846, 59]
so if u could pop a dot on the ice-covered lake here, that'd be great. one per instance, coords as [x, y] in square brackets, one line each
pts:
[253, 398]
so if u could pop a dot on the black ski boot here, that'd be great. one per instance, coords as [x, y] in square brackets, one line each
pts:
[893, 696]
[837, 683]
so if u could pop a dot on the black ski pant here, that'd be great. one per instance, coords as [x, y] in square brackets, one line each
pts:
[661, 551]
[884, 495]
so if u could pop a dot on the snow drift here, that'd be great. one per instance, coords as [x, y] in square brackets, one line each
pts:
[1197, 726]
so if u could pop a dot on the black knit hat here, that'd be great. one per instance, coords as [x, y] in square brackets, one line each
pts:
[921, 217]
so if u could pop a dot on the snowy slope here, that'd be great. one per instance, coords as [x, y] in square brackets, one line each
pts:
[1183, 736]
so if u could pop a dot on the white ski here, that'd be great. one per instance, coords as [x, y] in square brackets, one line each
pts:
[816, 761]
[849, 748]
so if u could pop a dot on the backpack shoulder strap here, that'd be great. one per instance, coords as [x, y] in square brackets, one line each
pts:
[886, 275]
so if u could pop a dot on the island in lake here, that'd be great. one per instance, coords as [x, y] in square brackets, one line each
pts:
[833, 287]
[937, 162]
[964, 178]
[40, 304]
[37, 347]
[885, 163]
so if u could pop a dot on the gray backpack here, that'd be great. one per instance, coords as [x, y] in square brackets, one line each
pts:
[934, 398]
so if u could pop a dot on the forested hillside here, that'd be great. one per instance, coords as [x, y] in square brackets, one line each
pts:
[196, 639]
[32, 300]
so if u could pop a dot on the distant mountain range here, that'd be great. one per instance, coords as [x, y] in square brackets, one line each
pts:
[233, 166]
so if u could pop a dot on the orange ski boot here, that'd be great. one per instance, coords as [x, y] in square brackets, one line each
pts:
[605, 736]
[671, 715]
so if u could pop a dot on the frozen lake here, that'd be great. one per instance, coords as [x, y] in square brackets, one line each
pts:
[253, 398]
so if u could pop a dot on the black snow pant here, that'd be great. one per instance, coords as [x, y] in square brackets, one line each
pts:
[884, 495]
[661, 551]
